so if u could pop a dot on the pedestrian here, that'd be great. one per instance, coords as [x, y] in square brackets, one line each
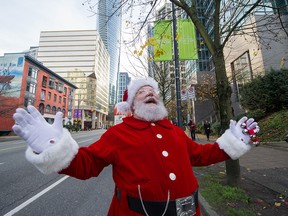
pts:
[207, 129]
[192, 128]
[152, 159]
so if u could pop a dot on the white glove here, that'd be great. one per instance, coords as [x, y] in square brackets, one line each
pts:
[34, 129]
[237, 129]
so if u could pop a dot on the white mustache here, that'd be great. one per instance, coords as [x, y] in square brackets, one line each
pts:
[152, 99]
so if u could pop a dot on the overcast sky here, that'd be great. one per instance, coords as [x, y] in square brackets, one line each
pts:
[21, 21]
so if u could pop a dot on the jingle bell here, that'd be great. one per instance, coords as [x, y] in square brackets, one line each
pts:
[245, 131]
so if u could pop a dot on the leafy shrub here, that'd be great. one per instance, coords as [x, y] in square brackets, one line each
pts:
[256, 114]
[216, 128]
[268, 93]
[200, 128]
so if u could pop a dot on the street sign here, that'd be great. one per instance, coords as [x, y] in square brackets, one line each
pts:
[191, 93]
[188, 94]
[184, 94]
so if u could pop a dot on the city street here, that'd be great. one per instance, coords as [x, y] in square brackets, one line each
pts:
[26, 191]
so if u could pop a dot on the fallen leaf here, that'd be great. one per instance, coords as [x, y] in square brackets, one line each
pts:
[277, 204]
[259, 201]
[231, 205]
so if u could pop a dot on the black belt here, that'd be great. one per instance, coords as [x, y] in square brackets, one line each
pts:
[156, 208]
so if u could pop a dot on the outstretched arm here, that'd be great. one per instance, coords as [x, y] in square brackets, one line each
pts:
[237, 140]
[50, 147]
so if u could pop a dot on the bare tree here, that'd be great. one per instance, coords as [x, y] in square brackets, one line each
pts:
[207, 90]
[228, 19]
[225, 19]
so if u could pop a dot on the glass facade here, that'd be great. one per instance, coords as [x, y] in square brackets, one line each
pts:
[108, 25]
[123, 82]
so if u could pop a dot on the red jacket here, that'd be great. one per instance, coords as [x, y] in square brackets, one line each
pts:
[157, 156]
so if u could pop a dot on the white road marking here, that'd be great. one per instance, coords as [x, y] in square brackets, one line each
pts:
[23, 205]
[24, 146]
[12, 148]
[84, 141]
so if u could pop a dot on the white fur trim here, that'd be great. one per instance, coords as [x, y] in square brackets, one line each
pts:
[123, 108]
[56, 157]
[233, 146]
[135, 85]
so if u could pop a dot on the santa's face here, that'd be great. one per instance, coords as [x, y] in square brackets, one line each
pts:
[147, 105]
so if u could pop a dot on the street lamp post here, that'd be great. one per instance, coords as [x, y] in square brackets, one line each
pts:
[176, 60]
[78, 113]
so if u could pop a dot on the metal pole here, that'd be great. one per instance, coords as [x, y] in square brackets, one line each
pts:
[176, 60]
[79, 100]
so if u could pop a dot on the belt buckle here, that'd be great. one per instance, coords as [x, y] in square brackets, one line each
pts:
[186, 206]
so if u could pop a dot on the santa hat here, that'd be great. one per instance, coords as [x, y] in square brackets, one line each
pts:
[124, 107]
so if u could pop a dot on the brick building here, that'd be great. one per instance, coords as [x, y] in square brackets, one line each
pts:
[24, 81]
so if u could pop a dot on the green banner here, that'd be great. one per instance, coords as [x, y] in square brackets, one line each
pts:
[163, 35]
[186, 38]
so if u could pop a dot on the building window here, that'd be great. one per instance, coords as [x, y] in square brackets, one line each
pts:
[49, 95]
[51, 83]
[60, 87]
[32, 72]
[65, 91]
[43, 95]
[44, 81]
[31, 88]
[241, 72]
[60, 99]
[41, 108]
[48, 108]
[53, 110]
[55, 98]
[64, 102]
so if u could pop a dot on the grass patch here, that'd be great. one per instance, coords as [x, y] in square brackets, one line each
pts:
[274, 127]
[231, 200]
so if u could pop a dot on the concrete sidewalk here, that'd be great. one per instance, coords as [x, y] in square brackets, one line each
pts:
[266, 165]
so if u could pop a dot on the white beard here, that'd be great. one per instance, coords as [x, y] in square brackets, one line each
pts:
[150, 113]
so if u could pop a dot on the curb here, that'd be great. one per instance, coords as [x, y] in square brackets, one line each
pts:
[205, 208]
[9, 138]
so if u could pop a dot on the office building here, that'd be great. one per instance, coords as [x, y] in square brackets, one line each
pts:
[123, 82]
[108, 24]
[258, 53]
[80, 56]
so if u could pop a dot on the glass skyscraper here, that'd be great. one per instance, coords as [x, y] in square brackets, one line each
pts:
[108, 24]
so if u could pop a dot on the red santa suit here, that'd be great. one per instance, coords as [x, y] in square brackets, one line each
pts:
[152, 161]
[158, 157]
[148, 159]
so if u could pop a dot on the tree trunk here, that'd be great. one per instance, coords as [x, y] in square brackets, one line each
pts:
[233, 172]
[224, 94]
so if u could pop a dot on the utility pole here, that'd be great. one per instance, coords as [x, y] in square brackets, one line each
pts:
[79, 100]
[176, 61]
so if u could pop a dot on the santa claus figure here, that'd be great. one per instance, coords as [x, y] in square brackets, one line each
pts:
[152, 159]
